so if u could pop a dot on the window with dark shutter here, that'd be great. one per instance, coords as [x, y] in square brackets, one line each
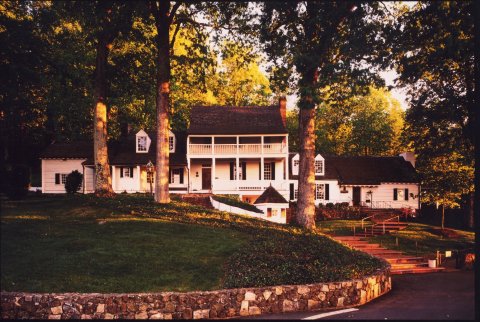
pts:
[181, 176]
[121, 172]
[260, 170]
[395, 194]
[327, 191]
[231, 171]
[406, 194]
[57, 178]
[131, 172]
[292, 188]
[273, 170]
[170, 176]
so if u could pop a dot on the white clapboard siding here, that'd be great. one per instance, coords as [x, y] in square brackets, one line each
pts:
[52, 166]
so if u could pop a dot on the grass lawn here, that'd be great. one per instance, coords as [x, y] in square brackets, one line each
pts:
[130, 244]
[416, 239]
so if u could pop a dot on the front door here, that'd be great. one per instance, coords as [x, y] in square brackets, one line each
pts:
[356, 196]
[206, 178]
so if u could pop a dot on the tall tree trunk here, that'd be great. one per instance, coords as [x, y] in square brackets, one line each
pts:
[471, 210]
[306, 177]
[443, 216]
[103, 178]
[162, 102]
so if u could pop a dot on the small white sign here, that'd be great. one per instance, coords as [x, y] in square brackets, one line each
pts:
[448, 253]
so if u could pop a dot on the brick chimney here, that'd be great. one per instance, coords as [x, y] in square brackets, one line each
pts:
[282, 104]
[409, 156]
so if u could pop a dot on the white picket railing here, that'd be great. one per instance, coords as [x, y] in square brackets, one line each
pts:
[268, 148]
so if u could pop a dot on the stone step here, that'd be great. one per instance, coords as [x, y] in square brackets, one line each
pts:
[418, 270]
[341, 238]
[409, 265]
[367, 246]
[402, 259]
[382, 251]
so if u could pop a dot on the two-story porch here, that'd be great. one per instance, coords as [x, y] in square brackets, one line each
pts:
[261, 160]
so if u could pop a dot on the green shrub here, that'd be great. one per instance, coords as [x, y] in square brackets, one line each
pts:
[73, 181]
[18, 180]
[329, 205]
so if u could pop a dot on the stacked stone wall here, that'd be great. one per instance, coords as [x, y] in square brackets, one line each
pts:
[196, 305]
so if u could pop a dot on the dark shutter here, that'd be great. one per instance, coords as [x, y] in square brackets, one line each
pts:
[131, 172]
[273, 170]
[260, 170]
[395, 194]
[327, 191]
[406, 194]
[57, 178]
[181, 176]
[244, 170]
[170, 176]
[121, 172]
[292, 188]
[231, 171]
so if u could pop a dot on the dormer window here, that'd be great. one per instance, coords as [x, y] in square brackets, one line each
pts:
[295, 164]
[171, 143]
[141, 144]
[318, 166]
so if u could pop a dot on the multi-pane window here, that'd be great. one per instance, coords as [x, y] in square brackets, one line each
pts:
[149, 177]
[171, 143]
[64, 178]
[142, 143]
[126, 172]
[296, 163]
[267, 171]
[400, 195]
[318, 166]
[295, 194]
[319, 191]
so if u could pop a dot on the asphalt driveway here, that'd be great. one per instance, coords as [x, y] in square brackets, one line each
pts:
[435, 296]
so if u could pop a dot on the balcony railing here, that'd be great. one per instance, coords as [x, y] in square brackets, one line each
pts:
[268, 148]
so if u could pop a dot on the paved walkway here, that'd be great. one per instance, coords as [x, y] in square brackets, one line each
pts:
[436, 296]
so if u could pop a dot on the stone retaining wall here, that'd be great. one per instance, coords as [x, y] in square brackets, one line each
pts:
[196, 305]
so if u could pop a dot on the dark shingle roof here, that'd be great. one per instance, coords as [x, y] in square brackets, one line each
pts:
[236, 120]
[122, 152]
[366, 170]
[72, 150]
[270, 195]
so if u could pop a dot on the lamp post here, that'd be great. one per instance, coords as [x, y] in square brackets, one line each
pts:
[150, 169]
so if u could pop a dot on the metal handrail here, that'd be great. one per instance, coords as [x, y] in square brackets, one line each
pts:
[383, 222]
[367, 218]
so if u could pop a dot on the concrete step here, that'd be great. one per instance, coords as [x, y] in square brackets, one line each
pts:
[417, 270]
[348, 238]
[368, 246]
[409, 265]
[382, 251]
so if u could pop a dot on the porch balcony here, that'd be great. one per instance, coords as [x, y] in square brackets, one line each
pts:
[236, 149]
[248, 185]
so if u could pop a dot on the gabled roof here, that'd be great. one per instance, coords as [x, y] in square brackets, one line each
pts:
[72, 150]
[236, 120]
[270, 195]
[365, 170]
[122, 152]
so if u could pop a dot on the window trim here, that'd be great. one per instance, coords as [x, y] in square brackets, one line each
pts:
[318, 192]
[144, 148]
[267, 169]
[171, 143]
[321, 167]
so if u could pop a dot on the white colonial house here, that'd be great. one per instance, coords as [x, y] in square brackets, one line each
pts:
[238, 151]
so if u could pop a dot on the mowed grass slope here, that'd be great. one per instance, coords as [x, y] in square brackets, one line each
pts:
[130, 244]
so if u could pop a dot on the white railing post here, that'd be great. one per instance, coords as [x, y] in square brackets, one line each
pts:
[213, 145]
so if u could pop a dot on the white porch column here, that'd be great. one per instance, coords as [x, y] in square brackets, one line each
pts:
[113, 178]
[213, 174]
[237, 144]
[262, 165]
[236, 172]
[213, 147]
[261, 144]
[139, 178]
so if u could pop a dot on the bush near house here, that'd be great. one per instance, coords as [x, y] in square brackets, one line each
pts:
[234, 201]
[73, 181]
[339, 210]
[128, 243]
